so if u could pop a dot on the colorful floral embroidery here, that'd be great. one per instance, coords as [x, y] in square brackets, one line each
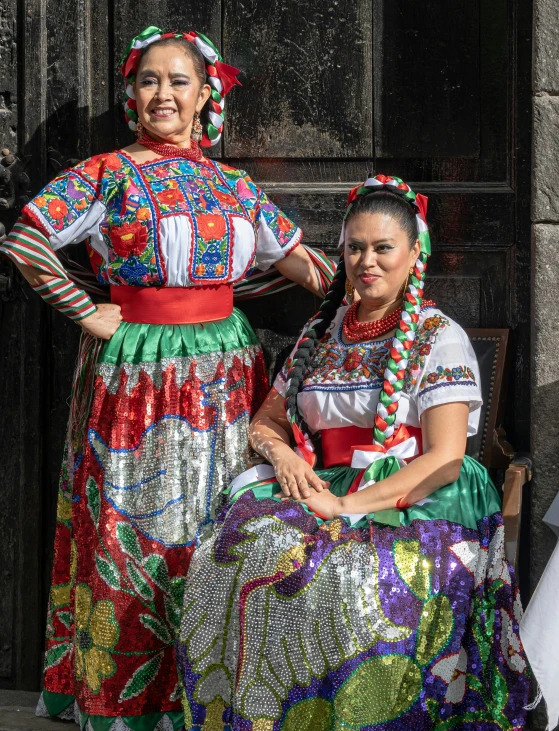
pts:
[282, 228]
[458, 375]
[338, 367]
[63, 201]
[130, 239]
[136, 198]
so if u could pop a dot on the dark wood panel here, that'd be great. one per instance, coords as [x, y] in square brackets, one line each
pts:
[427, 83]
[8, 75]
[67, 78]
[307, 82]
[131, 17]
[22, 343]
[458, 217]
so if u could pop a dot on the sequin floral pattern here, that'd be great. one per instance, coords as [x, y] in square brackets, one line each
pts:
[288, 624]
[164, 438]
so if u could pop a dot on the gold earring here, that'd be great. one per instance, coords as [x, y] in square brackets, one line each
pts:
[405, 289]
[197, 130]
[349, 291]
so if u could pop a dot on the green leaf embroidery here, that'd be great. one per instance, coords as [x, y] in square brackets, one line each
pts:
[172, 613]
[158, 628]
[156, 568]
[93, 500]
[66, 618]
[129, 540]
[107, 572]
[138, 581]
[433, 708]
[55, 654]
[177, 590]
[142, 677]
[435, 628]
[413, 567]
[499, 690]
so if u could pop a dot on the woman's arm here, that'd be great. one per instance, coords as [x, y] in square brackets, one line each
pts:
[298, 267]
[444, 431]
[103, 323]
[270, 436]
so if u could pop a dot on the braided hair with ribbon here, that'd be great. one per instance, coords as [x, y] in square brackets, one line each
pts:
[378, 194]
[220, 76]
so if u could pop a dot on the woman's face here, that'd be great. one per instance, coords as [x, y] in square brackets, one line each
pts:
[168, 92]
[377, 257]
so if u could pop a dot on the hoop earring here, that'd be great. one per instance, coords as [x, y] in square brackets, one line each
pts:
[349, 291]
[197, 130]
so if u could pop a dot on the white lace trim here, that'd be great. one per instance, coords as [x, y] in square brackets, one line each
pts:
[72, 713]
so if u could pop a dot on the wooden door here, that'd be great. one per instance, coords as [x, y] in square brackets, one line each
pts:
[436, 93]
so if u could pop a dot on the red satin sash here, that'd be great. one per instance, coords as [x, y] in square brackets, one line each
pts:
[173, 305]
[338, 444]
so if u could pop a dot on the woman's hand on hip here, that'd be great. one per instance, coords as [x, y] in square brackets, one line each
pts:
[296, 477]
[104, 322]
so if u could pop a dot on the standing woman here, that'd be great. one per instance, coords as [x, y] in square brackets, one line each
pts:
[160, 426]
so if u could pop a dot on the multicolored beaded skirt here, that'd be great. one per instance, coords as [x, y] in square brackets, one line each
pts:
[295, 624]
[166, 432]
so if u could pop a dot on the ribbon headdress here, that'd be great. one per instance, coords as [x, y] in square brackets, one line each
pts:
[220, 76]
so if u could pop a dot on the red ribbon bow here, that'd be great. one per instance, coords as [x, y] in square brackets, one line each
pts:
[227, 75]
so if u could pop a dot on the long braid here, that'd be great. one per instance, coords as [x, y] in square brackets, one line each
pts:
[395, 373]
[306, 347]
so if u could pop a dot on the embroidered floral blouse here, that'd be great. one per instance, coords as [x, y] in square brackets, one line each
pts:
[344, 381]
[171, 222]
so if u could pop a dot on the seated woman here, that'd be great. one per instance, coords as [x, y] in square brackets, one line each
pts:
[373, 593]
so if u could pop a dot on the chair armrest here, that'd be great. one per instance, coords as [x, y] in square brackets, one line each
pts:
[518, 473]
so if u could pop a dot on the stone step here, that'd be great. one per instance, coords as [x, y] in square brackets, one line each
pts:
[17, 713]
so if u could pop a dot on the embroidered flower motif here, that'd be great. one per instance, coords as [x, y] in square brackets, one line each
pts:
[211, 226]
[130, 239]
[57, 209]
[452, 671]
[142, 214]
[457, 373]
[96, 634]
[510, 644]
[102, 162]
[432, 323]
[200, 270]
[170, 197]
[40, 201]
[243, 191]
[284, 224]
[352, 361]
[425, 349]
[225, 198]
[219, 269]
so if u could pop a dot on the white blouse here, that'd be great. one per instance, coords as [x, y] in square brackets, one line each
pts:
[344, 381]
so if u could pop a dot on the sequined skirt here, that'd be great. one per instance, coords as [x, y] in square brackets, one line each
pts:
[167, 431]
[295, 624]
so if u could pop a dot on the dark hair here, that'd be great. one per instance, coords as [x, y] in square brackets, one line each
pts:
[189, 48]
[381, 201]
[393, 205]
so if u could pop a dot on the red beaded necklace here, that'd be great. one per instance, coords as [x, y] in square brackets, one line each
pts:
[356, 332]
[193, 152]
